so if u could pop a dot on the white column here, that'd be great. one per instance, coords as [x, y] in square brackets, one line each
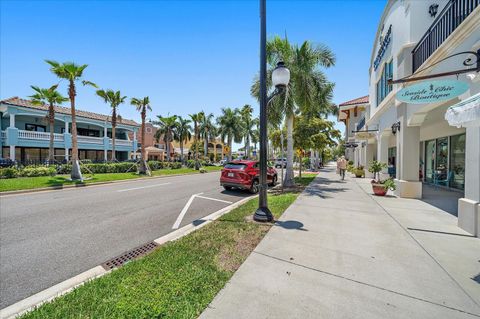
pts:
[66, 127]
[382, 152]
[105, 130]
[12, 147]
[408, 145]
[12, 120]
[135, 149]
[469, 206]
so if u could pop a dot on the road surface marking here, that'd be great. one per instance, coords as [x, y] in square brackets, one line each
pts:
[218, 200]
[148, 186]
[184, 211]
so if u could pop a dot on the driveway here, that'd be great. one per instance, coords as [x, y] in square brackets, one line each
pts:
[48, 237]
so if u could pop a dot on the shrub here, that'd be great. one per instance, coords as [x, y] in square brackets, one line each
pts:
[389, 184]
[191, 163]
[175, 165]
[154, 165]
[9, 172]
[37, 171]
[203, 170]
[104, 168]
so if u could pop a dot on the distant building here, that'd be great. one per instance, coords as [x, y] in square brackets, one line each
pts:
[25, 133]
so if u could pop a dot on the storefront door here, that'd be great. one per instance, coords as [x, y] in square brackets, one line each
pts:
[429, 160]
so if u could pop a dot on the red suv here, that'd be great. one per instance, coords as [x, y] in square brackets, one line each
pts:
[245, 175]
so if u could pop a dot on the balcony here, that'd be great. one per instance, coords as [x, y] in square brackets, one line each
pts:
[33, 135]
[454, 13]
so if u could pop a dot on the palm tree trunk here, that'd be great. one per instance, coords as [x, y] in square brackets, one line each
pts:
[197, 164]
[289, 181]
[143, 167]
[114, 126]
[247, 147]
[168, 145]
[181, 149]
[205, 145]
[76, 173]
[51, 119]
[229, 148]
[300, 169]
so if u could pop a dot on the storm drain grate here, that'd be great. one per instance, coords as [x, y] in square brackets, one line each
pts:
[129, 255]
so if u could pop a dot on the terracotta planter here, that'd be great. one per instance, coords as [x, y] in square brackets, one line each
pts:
[379, 189]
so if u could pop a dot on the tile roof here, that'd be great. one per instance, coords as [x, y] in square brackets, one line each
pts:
[360, 100]
[65, 110]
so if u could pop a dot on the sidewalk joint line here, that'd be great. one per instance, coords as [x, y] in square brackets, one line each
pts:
[366, 284]
[419, 244]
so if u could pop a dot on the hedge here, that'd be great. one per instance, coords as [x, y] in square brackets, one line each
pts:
[12, 172]
[155, 165]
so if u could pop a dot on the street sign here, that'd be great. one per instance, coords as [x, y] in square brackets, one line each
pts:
[432, 91]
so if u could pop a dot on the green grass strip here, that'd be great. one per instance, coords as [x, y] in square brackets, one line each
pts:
[179, 279]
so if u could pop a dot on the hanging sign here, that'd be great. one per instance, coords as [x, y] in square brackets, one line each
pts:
[432, 91]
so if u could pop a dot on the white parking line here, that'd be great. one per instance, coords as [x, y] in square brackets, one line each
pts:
[184, 211]
[218, 200]
[148, 186]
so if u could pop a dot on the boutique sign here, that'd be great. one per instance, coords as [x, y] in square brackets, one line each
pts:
[432, 91]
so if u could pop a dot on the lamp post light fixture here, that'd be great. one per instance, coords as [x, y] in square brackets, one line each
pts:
[280, 79]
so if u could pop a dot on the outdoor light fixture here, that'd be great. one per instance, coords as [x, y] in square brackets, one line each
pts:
[280, 79]
[433, 9]
[395, 128]
[280, 76]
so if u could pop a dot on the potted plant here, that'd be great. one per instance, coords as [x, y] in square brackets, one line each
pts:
[359, 171]
[380, 188]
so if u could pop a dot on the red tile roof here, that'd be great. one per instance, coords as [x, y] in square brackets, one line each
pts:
[360, 100]
[65, 110]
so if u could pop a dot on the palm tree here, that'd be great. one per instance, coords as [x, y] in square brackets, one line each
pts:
[72, 73]
[307, 91]
[196, 119]
[183, 134]
[249, 126]
[167, 128]
[52, 97]
[207, 130]
[142, 105]
[115, 99]
[230, 127]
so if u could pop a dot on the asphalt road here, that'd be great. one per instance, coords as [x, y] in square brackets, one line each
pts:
[48, 237]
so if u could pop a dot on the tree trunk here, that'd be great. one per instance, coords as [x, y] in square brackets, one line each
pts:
[300, 169]
[143, 167]
[181, 150]
[168, 146]
[205, 145]
[289, 181]
[229, 148]
[247, 148]
[312, 160]
[76, 173]
[51, 120]
[197, 164]
[114, 126]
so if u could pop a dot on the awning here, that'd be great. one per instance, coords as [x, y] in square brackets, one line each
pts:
[465, 113]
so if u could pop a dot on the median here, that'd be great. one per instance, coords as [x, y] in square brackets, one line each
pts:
[178, 279]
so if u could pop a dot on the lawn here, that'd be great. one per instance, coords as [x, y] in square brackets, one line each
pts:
[179, 279]
[22, 183]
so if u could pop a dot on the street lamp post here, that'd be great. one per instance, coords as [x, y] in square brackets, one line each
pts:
[280, 79]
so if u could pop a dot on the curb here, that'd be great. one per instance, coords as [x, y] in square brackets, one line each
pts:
[68, 285]
[79, 185]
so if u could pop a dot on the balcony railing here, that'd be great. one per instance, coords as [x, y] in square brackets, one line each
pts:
[122, 142]
[361, 124]
[454, 13]
[89, 139]
[34, 135]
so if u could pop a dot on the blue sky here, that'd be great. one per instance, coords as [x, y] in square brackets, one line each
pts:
[186, 55]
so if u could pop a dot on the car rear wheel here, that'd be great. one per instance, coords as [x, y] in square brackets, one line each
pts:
[254, 188]
[274, 180]
[227, 188]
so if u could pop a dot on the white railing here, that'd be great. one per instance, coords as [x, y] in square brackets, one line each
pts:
[42, 136]
[122, 142]
[89, 139]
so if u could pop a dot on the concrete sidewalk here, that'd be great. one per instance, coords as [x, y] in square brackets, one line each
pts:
[339, 252]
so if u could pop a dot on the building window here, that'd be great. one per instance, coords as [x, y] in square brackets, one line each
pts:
[88, 132]
[35, 127]
[383, 88]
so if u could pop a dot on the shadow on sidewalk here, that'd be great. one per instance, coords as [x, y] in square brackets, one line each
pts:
[291, 224]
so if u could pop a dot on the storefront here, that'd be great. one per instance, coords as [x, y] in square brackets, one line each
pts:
[444, 161]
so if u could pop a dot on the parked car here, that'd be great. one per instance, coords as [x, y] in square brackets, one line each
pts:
[280, 162]
[6, 162]
[245, 175]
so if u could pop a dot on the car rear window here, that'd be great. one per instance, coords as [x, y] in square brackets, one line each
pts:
[235, 166]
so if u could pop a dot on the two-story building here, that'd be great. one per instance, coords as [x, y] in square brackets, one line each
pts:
[25, 133]
[413, 39]
[353, 114]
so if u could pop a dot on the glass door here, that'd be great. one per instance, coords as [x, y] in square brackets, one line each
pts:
[457, 161]
[441, 165]
[429, 160]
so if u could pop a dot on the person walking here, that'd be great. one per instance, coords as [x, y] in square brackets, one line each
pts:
[342, 166]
